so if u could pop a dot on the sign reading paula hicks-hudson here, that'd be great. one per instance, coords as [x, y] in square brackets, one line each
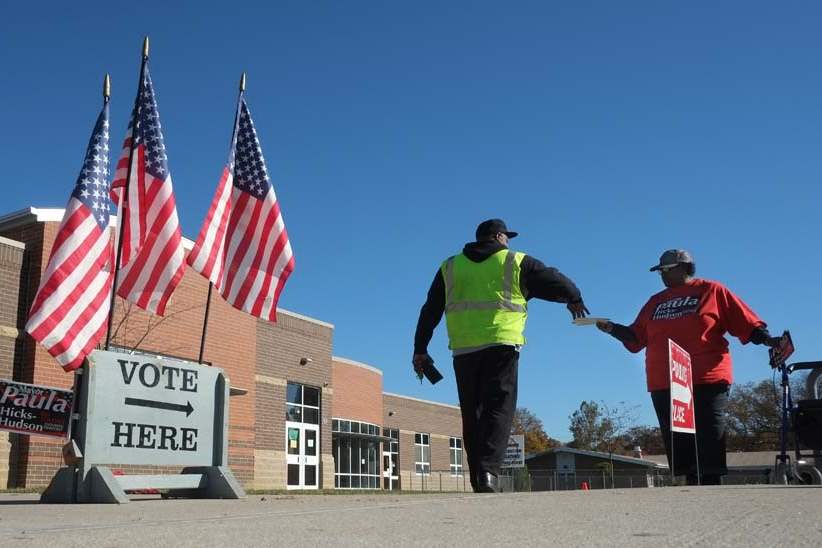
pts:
[144, 410]
[31, 409]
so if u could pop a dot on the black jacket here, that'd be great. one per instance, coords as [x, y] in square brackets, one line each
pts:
[536, 280]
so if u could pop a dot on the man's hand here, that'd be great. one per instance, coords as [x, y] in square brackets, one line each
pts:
[606, 326]
[419, 361]
[578, 310]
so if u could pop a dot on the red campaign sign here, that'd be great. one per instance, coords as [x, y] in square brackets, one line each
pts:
[682, 389]
[784, 351]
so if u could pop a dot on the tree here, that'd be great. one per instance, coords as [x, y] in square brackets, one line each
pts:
[600, 427]
[529, 425]
[648, 438]
[589, 427]
[137, 330]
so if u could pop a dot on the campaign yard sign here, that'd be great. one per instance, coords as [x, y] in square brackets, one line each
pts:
[31, 409]
[682, 389]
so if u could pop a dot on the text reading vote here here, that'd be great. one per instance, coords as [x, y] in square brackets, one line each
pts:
[166, 376]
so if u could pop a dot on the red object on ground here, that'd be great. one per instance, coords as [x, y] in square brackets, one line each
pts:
[584, 486]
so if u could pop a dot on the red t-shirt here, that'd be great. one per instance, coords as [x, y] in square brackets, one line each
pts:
[695, 316]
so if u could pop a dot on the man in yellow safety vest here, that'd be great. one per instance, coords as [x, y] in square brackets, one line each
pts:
[484, 293]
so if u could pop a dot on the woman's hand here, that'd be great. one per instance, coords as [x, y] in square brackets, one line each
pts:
[606, 326]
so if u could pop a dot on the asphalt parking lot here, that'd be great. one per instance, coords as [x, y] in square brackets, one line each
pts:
[681, 516]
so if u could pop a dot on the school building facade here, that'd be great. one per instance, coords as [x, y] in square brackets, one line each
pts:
[300, 417]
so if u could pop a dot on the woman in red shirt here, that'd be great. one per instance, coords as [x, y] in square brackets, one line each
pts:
[696, 314]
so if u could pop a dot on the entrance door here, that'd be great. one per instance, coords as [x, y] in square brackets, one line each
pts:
[387, 466]
[302, 446]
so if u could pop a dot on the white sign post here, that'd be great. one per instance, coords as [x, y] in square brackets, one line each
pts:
[682, 417]
[515, 452]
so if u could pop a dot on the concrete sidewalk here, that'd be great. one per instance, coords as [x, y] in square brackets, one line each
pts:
[674, 516]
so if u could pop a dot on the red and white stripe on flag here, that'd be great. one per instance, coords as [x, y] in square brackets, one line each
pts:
[243, 246]
[152, 260]
[243, 249]
[71, 307]
[682, 389]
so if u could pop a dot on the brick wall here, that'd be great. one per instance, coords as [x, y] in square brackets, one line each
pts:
[11, 338]
[11, 272]
[280, 349]
[357, 391]
[411, 415]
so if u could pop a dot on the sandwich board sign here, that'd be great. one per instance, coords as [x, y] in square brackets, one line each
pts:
[145, 411]
[142, 410]
[515, 452]
[682, 389]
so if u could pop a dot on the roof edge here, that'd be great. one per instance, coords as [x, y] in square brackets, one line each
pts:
[304, 317]
[622, 458]
[12, 243]
[450, 406]
[346, 361]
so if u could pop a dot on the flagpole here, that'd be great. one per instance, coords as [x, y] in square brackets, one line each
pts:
[210, 283]
[124, 194]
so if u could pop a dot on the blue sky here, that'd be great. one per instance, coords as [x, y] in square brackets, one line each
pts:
[605, 132]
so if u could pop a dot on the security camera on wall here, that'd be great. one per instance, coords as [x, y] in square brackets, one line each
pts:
[305, 361]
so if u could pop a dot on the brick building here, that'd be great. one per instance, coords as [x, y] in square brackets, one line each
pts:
[301, 418]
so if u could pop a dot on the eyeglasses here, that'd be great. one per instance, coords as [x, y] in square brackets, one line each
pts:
[666, 268]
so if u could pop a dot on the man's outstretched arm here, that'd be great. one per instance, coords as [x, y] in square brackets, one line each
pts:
[430, 315]
[549, 284]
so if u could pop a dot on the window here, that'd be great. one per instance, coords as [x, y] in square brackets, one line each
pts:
[455, 445]
[422, 454]
[302, 403]
[355, 457]
[355, 463]
[355, 427]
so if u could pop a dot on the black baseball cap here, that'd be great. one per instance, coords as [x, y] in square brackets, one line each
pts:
[673, 257]
[492, 227]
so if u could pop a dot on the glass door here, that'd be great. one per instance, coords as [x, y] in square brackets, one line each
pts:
[391, 460]
[302, 443]
[388, 477]
[302, 436]
[311, 457]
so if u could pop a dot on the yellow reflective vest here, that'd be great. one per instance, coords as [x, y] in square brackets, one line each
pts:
[484, 304]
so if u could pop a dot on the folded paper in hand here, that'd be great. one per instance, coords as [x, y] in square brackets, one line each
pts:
[589, 321]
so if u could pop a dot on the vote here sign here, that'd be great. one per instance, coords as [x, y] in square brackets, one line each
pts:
[145, 410]
[682, 389]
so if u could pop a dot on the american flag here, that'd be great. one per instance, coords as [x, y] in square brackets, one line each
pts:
[243, 247]
[71, 307]
[152, 259]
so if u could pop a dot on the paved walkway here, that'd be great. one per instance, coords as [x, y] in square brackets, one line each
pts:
[676, 516]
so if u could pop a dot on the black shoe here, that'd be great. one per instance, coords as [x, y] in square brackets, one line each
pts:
[487, 483]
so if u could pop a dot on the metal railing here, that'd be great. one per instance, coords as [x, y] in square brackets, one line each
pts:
[523, 480]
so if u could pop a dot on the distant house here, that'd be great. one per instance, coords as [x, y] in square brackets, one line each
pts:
[567, 468]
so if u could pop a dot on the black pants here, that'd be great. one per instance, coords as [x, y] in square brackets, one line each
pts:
[487, 386]
[710, 403]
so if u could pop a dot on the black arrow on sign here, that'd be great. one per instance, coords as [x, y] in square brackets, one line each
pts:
[161, 405]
